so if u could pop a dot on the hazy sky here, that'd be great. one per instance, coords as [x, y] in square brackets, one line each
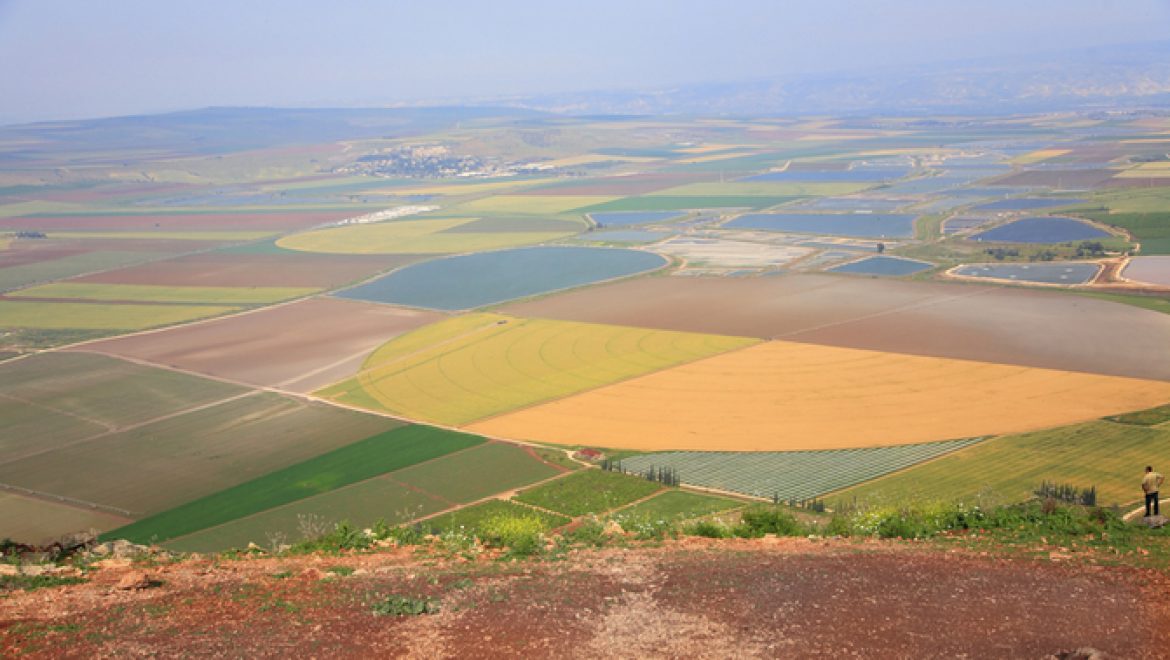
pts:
[86, 58]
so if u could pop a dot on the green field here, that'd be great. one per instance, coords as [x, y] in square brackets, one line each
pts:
[1104, 454]
[365, 459]
[678, 505]
[100, 316]
[215, 236]
[164, 294]
[476, 365]
[1152, 230]
[1148, 417]
[14, 277]
[589, 491]
[470, 518]
[159, 465]
[686, 203]
[430, 236]
[362, 504]
[395, 497]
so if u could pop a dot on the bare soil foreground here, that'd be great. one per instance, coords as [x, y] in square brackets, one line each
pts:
[693, 598]
[967, 321]
[300, 346]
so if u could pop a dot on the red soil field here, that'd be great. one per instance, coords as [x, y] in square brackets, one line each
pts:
[966, 321]
[275, 221]
[635, 184]
[220, 269]
[300, 346]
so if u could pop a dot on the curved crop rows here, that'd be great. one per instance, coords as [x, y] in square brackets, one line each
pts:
[477, 365]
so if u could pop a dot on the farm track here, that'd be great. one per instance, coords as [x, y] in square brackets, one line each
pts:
[68, 501]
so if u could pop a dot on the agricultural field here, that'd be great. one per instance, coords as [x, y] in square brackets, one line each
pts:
[477, 365]
[588, 492]
[1103, 454]
[149, 293]
[21, 267]
[429, 236]
[237, 268]
[362, 504]
[487, 278]
[473, 516]
[300, 346]
[376, 455]
[688, 203]
[1027, 204]
[57, 315]
[159, 464]
[162, 223]
[41, 521]
[784, 396]
[677, 505]
[1045, 329]
[623, 219]
[790, 475]
[1150, 230]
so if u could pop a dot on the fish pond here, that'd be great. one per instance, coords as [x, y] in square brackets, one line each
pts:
[864, 225]
[485, 278]
[1045, 273]
[1042, 229]
[855, 175]
[622, 236]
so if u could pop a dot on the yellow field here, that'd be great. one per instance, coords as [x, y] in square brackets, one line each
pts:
[1038, 155]
[472, 366]
[531, 204]
[27, 208]
[171, 294]
[1161, 169]
[410, 237]
[788, 396]
[96, 316]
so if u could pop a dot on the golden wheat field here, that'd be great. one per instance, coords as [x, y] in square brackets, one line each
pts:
[783, 396]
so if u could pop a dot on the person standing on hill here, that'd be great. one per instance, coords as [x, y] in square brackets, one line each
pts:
[1150, 484]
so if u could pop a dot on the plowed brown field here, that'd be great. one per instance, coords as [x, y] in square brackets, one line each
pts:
[301, 346]
[967, 321]
[783, 396]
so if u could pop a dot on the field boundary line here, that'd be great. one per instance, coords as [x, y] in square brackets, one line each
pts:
[887, 312]
[932, 459]
[66, 500]
[43, 406]
[385, 475]
[753, 342]
[131, 427]
[658, 493]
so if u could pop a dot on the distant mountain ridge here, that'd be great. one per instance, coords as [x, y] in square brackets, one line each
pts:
[1132, 75]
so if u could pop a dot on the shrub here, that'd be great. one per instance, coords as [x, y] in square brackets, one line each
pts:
[759, 520]
[522, 535]
[590, 532]
[395, 605]
[708, 529]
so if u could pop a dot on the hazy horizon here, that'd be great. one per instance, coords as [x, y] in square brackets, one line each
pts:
[62, 59]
